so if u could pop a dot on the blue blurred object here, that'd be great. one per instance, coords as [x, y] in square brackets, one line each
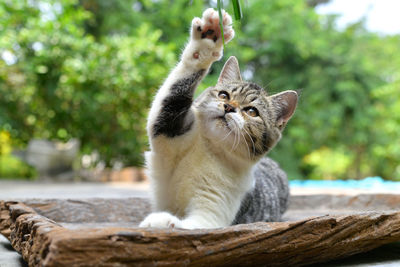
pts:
[374, 183]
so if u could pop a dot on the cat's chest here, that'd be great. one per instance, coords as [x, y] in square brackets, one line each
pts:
[185, 169]
[189, 162]
[194, 175]
[186, 172]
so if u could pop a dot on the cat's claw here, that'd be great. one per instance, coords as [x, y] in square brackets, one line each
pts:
[161, 220]
[208, 26]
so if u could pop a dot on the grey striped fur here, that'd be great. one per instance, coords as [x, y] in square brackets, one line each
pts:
[269, 198]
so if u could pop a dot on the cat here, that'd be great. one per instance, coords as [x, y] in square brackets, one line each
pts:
[206, 161]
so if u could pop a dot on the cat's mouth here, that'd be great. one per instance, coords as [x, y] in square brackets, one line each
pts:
[223, 118]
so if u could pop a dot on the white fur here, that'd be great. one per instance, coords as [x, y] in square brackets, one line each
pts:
[196, 181]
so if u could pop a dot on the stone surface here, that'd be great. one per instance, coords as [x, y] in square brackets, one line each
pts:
[8, 256]
[11, 190]
[102, 233]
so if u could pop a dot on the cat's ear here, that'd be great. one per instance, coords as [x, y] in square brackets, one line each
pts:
[285, 104]
[230, 72]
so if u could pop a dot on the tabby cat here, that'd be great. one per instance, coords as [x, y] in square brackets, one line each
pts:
[206, 160]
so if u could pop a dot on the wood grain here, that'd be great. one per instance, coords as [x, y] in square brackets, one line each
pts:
[40, 230]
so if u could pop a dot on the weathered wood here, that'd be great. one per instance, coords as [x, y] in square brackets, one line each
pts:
[95, 210]
[53, 233]
[5, 219]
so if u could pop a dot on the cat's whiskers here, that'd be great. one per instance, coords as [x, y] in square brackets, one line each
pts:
[234, 142]
[257, 125]
[209, 119]
[251, 139]
[226, 136]
[247, 145]
[233, 129]
[237, 132]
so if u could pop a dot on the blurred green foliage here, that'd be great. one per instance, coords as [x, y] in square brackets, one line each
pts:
[11, 166]
[68, 83]
[89, 68]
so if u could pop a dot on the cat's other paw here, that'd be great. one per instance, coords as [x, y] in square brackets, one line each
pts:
[208, 27]
[161, 220]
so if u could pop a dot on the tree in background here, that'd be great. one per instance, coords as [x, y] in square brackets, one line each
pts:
[88, 69]
[64, 82]
[335, 132]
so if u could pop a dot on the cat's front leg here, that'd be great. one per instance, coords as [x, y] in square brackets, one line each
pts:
[172, 119]
[171, 113]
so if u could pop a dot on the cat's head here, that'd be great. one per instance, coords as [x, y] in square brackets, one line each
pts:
[240, 116]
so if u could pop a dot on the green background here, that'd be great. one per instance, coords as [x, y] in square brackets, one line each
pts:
[88, 69]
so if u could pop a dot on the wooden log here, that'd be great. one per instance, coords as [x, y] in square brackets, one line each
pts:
[45, 235]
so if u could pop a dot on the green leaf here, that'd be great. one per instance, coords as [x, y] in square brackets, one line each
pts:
[237, 10]
[219, 7]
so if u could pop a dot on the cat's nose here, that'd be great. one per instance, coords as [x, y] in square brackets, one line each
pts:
[228, 108]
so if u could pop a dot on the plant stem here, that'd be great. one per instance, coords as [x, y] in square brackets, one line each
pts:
[219, 7]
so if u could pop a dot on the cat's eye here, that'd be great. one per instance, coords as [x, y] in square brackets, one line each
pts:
[252, 112]
[223, 95]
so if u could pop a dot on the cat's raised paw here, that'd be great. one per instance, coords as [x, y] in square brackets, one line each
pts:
[209, 27]
[161, 220]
